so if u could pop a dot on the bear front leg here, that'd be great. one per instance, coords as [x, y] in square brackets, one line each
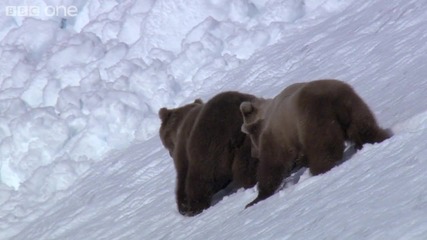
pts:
[274, 165]
[199, 192]
[181, 165]
[181, 198]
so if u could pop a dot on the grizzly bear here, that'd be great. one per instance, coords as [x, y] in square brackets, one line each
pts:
[174, 132]
[208, 148]
[306, 124]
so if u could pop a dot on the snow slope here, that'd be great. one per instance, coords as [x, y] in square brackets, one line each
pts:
[80, 158]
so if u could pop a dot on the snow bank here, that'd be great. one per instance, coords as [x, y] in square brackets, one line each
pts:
[76, 87]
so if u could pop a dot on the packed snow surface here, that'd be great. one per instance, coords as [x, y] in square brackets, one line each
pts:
[79, 153]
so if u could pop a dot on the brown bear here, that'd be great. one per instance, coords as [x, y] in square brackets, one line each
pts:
[306, 124]
[174, 132]
[209, 150]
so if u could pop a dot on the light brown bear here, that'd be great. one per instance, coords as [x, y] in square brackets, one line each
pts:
[306, 124]
[209, 150]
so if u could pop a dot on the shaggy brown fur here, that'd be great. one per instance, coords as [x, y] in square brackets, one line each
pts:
[306, 122]
[174, 133]
[208, 149]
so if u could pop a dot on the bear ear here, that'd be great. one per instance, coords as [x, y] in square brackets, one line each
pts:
[198, 100]
[246, 108]
[164, 114]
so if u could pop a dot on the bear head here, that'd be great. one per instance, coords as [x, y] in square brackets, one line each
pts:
[171, 120]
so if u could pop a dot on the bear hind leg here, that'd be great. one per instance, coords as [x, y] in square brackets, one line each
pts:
[244, 166]
[363, 128]
[324, 152]
[366, 130]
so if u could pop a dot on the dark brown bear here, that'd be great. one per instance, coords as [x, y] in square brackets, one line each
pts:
[174, 132]
[306, 123]
[209, 150]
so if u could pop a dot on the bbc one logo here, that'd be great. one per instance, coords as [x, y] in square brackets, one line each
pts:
[35, 11]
